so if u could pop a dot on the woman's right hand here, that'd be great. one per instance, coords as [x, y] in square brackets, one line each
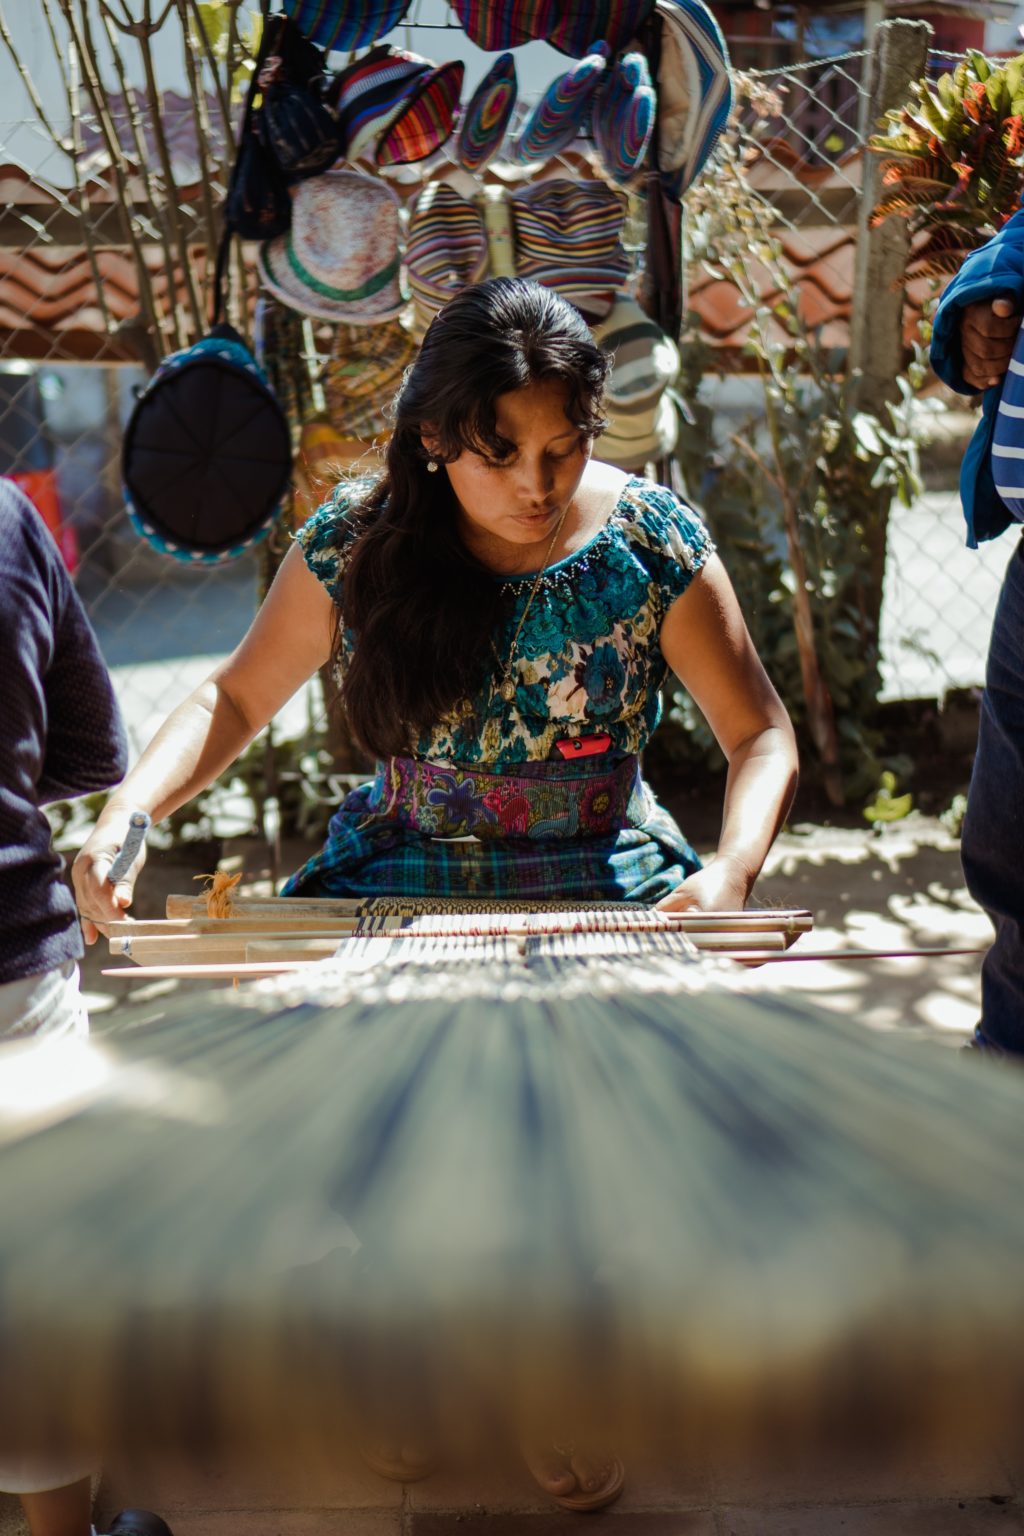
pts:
[99, 902]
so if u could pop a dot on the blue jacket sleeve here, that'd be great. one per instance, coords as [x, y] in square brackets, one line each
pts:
[994, 269]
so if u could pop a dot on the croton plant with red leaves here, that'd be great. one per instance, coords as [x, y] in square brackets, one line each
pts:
[953, 161]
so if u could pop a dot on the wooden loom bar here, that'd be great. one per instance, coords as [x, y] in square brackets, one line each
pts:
[230, 947]
[253, 970]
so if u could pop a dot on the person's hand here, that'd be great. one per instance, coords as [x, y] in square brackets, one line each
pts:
[988, 331]
[721, 886]
[99, 902]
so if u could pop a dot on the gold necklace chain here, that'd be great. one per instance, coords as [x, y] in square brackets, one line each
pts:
[506, 687]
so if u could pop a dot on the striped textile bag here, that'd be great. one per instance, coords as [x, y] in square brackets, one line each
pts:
[694, 92]
[571, 26]
[1008, 435]
[562, 111]
[370, 93]
[337, 25]
[567, 236]
[426, 118]
[446, 249]
[623, 118]
[486, 119]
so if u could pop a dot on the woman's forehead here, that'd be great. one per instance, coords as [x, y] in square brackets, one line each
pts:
[536, 409]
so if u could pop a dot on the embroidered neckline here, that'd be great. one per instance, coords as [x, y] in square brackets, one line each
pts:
[524, 579]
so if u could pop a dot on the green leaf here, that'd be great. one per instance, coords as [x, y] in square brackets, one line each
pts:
[866, 432]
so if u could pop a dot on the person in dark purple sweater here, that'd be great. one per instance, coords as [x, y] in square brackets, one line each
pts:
[61, 735]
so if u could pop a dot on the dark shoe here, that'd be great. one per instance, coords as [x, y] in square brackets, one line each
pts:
[138, 1522]
[979, 1042]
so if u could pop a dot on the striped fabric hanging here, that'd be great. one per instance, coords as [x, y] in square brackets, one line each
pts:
[567, 236]
[446, 248]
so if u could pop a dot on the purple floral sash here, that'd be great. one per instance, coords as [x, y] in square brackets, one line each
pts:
[536, 800]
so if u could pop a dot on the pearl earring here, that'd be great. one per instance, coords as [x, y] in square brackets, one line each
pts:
[431, 466]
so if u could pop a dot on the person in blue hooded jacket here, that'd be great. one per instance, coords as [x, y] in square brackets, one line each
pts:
[978, 346]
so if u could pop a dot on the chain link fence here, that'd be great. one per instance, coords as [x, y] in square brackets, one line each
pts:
[804, 151]
[70, 363]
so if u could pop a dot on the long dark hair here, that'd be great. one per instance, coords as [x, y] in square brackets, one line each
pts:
[419, 604]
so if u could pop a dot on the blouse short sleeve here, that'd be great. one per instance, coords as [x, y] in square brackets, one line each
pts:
[326, 538]
[674, 540]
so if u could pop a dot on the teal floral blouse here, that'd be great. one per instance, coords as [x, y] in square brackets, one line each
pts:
[588, 658]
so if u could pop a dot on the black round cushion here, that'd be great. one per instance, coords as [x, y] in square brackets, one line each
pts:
[207, 451]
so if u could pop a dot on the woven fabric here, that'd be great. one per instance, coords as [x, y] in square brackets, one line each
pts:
[638, 435]
[377, 846]
[644, 360]
[446, 248]
[486, 118]
[448, 800]
[426, 118]
[623, 117]
[568, 237]
[694, 92]
[363, 375]
[1008, 435]
[337, 25]
[371, 92]
[571, 26]
[587, 658]
[561, 112]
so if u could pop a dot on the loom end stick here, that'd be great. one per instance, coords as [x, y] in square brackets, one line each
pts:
[138, 826]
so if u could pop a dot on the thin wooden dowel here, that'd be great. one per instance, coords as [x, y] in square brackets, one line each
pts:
[874, 954]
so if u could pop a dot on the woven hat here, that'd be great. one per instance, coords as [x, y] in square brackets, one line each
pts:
[426, 116]
[567, 236]
[446, 249]
[644, 360]
[369, 93]
[562, 111]
[363, 375]
[485, 120]
[623, 117]
[694, 91]
[639, 434]
[336, 25]
[571, 26]
[341, 258]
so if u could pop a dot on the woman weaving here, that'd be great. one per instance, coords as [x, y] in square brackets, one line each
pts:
[502, 610]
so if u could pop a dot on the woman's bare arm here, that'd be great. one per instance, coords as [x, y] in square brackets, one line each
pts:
[706, 643]
[289, 639]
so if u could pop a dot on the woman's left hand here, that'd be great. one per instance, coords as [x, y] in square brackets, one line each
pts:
[722, 886]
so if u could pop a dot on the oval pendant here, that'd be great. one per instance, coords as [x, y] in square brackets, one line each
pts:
[507, 689]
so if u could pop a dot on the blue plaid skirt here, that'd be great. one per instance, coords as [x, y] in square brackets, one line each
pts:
[582, 830]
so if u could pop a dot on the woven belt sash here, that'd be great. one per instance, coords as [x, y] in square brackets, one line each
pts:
[536, 800]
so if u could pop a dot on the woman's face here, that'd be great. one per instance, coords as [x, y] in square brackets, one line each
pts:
[520, 499]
